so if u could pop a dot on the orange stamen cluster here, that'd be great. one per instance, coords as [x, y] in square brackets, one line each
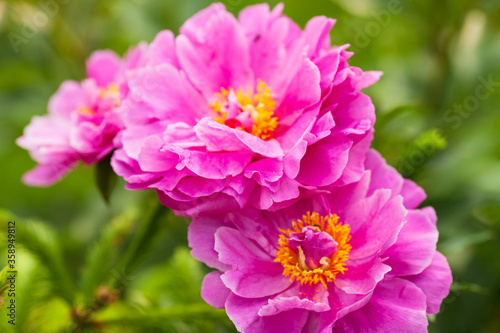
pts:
[261, 106]
[293, 262]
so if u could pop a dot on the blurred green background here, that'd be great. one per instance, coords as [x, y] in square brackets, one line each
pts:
[438, 123]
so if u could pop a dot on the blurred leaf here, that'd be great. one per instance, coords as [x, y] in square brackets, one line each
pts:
[470, 287]
[166, 320]
[422, 149]
[488, 214]
[105, 178]
[386, 117]
[39, 240]
[144, 240]
[178, 282]
[102, 257]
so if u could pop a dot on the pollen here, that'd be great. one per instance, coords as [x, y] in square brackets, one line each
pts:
[252, 112]
[294, 262]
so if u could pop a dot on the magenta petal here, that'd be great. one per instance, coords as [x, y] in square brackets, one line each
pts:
[68, 98]
[103, 66]
[397, 305]
[413, 194]
[164, 90]
[315, 299]
[435, 282]
[154, 158]
[385, 176]
[201, 238]
[324, 161]
[213, 51]
[415, 246]
[162, 49]
[243, 312]
[216, 165]
[254, 272]
[265, 170]
[374, 223]
[217, 137]
[362, 275]
[317, 34]
[213, 291]
[44, 175]
[302, 92]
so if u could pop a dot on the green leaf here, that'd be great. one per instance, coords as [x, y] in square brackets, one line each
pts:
[41, 243]
[488, 213]
[105, 178]
[178, 282]
[103, 256]
[168, 320]
[422, 149]
[144, 240]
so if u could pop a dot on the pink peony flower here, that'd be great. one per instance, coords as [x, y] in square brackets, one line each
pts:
[244, 112]
[82, 121]
[360, 258]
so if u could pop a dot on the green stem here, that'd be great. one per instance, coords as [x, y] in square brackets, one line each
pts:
[140, 246]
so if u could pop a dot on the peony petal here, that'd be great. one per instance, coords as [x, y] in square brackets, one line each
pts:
[162, 49]
[254, 272]
[243, 312]
[324, 161]
[374, 222]
[154, 157]
[103, 66]
[397, 305]
[213, 291]
[44, 175]
[415, 246]
[435, 282]
[68, 98]
[312, 298]
[362, 275]
[213, 51]
[413, 194]
[317, 35]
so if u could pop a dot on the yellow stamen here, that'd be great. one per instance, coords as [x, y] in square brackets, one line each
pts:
[294, 263]
[111, 91]
[260, 105]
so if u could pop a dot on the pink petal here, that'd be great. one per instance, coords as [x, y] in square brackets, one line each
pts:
[362, 275]
[213, 51]
[103, 66]
[254, 272]
[415, 246]
[397, 305]
[374, 222]
[243, 312]
[324, 161]
[435, 282]
[201, 238]
[213, 291]
[44, 175]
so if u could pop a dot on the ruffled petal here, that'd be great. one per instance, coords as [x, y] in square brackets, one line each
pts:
[435, 282]
[213, 51]
[254, 272]
[201, 239]
[213, 291]
[103, 66]
[397, 305]
[243, 312]
[415, 246]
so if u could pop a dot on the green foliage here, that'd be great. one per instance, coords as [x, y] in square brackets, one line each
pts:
[105, 178]
[432, 54]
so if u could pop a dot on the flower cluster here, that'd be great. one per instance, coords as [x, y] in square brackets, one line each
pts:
[258, 131]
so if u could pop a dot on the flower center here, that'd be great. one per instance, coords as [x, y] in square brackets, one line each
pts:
[107, 99]
[315, 249]
[247, 111]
